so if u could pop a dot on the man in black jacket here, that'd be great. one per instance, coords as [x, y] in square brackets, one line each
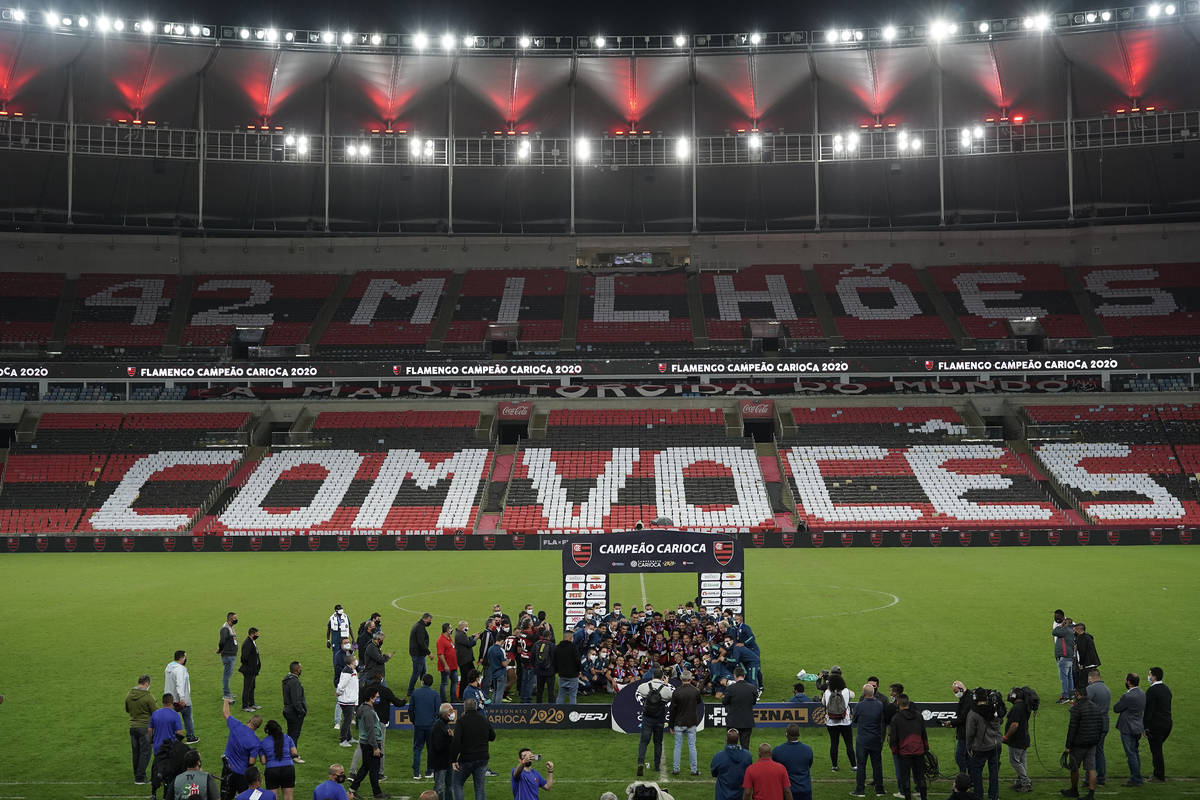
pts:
[250, 667]
[740, 698]
[543, 664]
[685, 718]
[1157, 721]
[566, 666]
[469, 749]
[1083, 734]
[965, 703]
[418, 648]
[440, 739]
[227, 649]
[464, 650]
[1086, 657]
[294, 707]
[373, 666]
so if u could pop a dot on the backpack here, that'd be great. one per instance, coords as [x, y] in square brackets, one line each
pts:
[544, 655]
[644, 791]
[654, 706]
[836, 708]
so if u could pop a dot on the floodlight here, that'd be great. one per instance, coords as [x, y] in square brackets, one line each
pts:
[289, 140]
[1153, 10]
[914, 143]
[146, 27]
[755, 38]
[978, 132]
[244, 33]
[599, 41]
[364, 150]
[523, 150]
[847, 35]
[84, 22]
[524, 42]
[1105, 16]
[429, 148]
[302, 146]
[327, 37]
[1090, 17]
[50, 18]
[939, 30]
[902, 140]
[1041, 22]
[984, 27]
[376, 40]
[889, 33]
[103, 24]
[852, 142]
[858, 36]
[347, 38]
[414, 146]
[837, 143]
[271, 34]
[118, 25]
[351, 150]
[583, 149]
[447, 41]
[177, 29]
[683, 148]
[468, 41]
[754, 142]
[681, 40]
[290, 36]
[1027, 23]
[420, 41]
[830, 36]
[1168, 9]
[18, 15]
[260, 34]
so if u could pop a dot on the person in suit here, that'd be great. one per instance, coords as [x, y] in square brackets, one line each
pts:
[1157, 722]
[739, 700]
[250, 666]
[1130, 708]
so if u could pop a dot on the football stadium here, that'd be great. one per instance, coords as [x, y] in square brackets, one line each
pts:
[602, 366]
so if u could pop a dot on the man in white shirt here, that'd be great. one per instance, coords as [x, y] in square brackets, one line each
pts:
[178, 683]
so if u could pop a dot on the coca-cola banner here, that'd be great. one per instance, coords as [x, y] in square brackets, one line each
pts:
[758, 409]
[514, 412]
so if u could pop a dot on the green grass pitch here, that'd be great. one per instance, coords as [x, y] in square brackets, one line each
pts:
[80, 628]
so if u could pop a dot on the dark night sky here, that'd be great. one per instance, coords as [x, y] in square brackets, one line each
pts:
[611, 17]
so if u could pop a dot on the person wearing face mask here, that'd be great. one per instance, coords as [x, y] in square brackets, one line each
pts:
[341, 655]
[965, 703]
[418, 648]
[347, 698]
[227, 649]
[178, 684]
[251, 665]
[334, 788]
[440, 738]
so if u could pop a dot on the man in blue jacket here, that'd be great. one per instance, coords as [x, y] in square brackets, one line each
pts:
[797, 757]
[422, 711]
[868, 718]
[728, 766]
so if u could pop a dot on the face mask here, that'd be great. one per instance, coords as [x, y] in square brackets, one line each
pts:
[959, 694]
[453, 716]
[340, 779]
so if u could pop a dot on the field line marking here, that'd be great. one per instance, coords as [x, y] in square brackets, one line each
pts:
[642, 581]
[396, 601]
[894, 601]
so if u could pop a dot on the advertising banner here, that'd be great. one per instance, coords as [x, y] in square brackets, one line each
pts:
[529, 716]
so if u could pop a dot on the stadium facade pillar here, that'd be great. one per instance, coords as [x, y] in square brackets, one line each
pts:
[941, 144]
[816, 142]
[200, 151]
[574, 144]
[695, 150]
[450, 147]
[1069, 140]
[325, 155]
[71, 143]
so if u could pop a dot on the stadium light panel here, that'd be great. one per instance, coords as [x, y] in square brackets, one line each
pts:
[889, 33]
[50, 18]
[838, 145]
[600, 41]
[447, 41]
[468, 41]
[118, 25]
[376, 40]
[583, 150]
[146, 27]
[984, 27]
[523, 150]
[177, 29]
[683, 148]
[420, 41]
[681, 40]
[289, 140]
[1090, 17]
[831, 36]
[914, 143]
[756, 38]
[428, 148]
[271, 34]
[302, 146]
[414, 146]
[1041, 22]
[524, 42]
[18, 15]
[847, 35]
[351, 150]
[85, 22]
[852, 143]
[103, 24]
[1168, 9]
[347, 38]
[1105, 16]
[754, 142]
[1153, 10]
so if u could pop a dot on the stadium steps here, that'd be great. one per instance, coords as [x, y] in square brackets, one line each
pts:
[971, 417]
[1061, 496]
[441, 325]
[538, 422]
[486, 426]
[304, 421]
[733, 423]
[949, 318]
[785, 490]
[1086, 310]
[179, 317]
[812, 285]
[696, 311]
[62, 317]
[570, 327]
[325, 315]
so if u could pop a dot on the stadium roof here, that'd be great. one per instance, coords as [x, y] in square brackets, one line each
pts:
[570, 89]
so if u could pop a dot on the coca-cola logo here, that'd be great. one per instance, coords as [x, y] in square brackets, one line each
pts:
[756, 408]
[516, 410]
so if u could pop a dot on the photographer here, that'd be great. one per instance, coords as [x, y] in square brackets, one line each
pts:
[527, 781]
